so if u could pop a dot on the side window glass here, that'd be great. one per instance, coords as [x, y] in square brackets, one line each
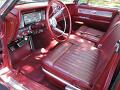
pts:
[67, 1]
[83, 1]
[105, 3]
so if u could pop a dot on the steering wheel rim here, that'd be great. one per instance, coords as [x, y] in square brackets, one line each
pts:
[49, 24]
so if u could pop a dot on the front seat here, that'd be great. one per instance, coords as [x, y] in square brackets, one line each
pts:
[74, 62]
[95, 35]
[77, 63]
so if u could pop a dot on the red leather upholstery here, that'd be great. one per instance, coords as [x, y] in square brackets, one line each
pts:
[114, 24]
[78, 62]
[90, 33]
[74, 61]
[94, 34]
[118, 86]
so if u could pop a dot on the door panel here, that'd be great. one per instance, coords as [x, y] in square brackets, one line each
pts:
[99, 18]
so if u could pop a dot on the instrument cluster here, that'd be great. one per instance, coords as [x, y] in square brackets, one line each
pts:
[33, 17]
[29, 19]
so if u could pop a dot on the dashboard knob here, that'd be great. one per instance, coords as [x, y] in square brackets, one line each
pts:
[26, 38]
[24, 33]
[18, 36]
[29, 31]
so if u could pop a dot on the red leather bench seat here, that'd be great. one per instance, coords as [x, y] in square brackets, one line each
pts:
[90, 33]
[78, 62]
[74, 62]
[94, 34]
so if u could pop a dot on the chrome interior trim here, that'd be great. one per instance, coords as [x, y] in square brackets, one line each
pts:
[61, 80]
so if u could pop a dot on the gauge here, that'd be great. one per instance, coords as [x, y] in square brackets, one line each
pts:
[22, 22]
[29, 19]
[42, 15]
[32, 17]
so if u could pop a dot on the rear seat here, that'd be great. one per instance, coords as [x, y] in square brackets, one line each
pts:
[94, 34]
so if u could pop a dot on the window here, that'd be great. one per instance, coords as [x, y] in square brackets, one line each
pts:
[83, 1]
[67, 1]
[30, 1]
[2, 2]
[106, 3]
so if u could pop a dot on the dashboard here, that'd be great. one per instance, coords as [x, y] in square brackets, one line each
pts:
[28, 20]
[32, 18]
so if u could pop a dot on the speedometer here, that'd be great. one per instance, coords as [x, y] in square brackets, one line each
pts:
[42, 15]
[32, 17]
[29, 19]
[22, 22]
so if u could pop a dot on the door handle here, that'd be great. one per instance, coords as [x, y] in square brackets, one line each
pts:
[93, 12]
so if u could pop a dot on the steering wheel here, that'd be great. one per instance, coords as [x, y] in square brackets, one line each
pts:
[56, 11]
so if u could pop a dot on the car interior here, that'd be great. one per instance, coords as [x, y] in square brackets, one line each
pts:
[63, 46]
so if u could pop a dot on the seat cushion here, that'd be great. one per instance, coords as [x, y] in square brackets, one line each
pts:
[75, 61]
[89, 33]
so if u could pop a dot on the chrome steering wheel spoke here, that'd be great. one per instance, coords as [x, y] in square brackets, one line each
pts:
[57, 22]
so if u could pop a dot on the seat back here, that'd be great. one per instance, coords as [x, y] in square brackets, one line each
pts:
[113, 23]
[111, 28]
[108, 49]
[108, 45]
[111, 37]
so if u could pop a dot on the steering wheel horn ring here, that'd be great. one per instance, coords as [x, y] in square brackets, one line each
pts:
[58, 8]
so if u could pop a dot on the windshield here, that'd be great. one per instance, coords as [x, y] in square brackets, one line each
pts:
[2, 2]
[22, 1]
[34, 1]
[30, 1]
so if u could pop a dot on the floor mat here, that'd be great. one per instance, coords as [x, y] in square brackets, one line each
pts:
[32, 69]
